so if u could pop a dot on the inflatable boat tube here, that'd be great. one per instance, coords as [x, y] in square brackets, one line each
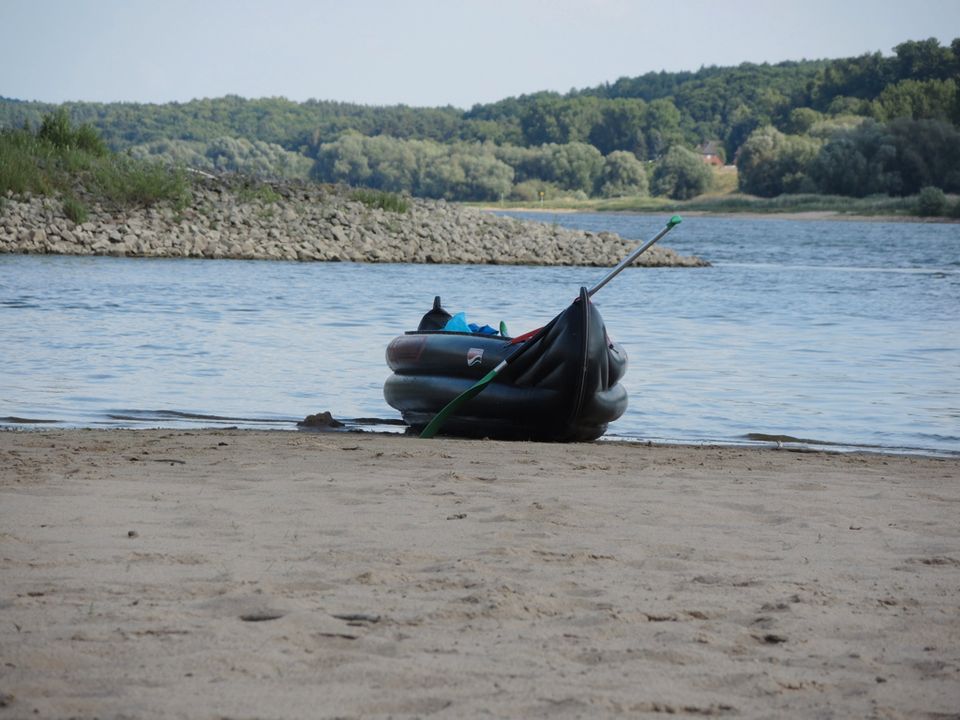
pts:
[564, 388]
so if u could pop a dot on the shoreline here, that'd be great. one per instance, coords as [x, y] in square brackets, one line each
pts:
[373, 426]
[751, 215]
[171, 573]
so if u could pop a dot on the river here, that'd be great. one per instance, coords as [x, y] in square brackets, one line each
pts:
[837, 334]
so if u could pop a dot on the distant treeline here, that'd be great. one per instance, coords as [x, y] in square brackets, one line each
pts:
[853, 126]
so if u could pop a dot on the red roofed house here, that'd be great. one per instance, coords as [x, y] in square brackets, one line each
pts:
[711, 153]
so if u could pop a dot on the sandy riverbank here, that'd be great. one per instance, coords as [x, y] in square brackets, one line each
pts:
[249, 574]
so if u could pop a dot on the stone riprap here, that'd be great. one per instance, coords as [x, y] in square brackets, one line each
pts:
[308, 222]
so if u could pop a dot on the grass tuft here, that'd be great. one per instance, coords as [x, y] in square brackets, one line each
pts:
[257, 192]
[125, 181]
[75, 210]
[60, 160]
[381, 200]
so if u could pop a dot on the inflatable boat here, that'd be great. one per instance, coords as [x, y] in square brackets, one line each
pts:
[559, 384]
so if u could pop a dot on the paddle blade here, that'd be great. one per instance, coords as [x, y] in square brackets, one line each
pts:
[451, 407]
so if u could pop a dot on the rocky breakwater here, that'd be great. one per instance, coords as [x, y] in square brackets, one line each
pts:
[307, 222]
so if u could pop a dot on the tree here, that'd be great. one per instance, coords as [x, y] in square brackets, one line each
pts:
[344, 160]
[622, 175]
[856, 163]
[236, 155]
[924, 60]
[574, 166]
[928, 153]
[740, 123]
[862, 77]
[621, 128]
[919, 100]
[485, 177]
[383, 163]
[552, 119]
[255, 158]
[931, 201]
[770, 163]
[830, 126]
[802, 120]
[681, 174]
[525, 162]
[644, 115]
[898, 158]
[393, 163]
[464, 173]
[662, 127]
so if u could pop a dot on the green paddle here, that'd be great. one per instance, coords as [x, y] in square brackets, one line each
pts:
[433, 427]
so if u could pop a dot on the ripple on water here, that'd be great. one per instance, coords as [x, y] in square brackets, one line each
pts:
[831, 334]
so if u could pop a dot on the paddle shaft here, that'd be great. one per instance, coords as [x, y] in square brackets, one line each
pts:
[675, 220]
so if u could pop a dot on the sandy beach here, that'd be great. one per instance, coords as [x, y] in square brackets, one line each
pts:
[242, 574]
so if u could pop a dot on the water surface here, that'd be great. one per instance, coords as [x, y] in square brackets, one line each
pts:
[842, 333]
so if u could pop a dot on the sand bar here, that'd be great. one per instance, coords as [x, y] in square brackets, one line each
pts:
[242, 574]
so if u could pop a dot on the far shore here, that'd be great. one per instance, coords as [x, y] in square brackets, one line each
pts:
[752, 215]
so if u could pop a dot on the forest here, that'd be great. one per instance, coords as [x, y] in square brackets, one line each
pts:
[874, 124]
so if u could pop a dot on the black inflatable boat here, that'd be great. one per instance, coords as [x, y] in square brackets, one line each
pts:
[563, 386]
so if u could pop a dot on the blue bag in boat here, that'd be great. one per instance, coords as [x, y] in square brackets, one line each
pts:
[458, 323]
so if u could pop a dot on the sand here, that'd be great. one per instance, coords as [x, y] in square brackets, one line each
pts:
[241, 574]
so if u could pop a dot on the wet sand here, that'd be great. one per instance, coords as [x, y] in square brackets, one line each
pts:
[243, 574]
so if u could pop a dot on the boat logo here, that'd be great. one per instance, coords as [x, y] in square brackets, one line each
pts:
[474, 356]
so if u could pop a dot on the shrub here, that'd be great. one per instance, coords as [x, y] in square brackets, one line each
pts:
[125, 181]
[770, 163]
[931, 201]
[59, 158]
[21, 164]
[250, 192]
[622, 175]
[75, 210]
[57, 130]
[681, 174]
[898, 158]
[534, 190]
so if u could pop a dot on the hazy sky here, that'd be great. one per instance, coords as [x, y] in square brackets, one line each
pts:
[420, 52]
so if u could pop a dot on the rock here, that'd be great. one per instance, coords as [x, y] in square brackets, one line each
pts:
[339, 236]
[320, 420]
[311, 223]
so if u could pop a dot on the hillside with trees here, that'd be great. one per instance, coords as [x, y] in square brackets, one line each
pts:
[869, 125]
